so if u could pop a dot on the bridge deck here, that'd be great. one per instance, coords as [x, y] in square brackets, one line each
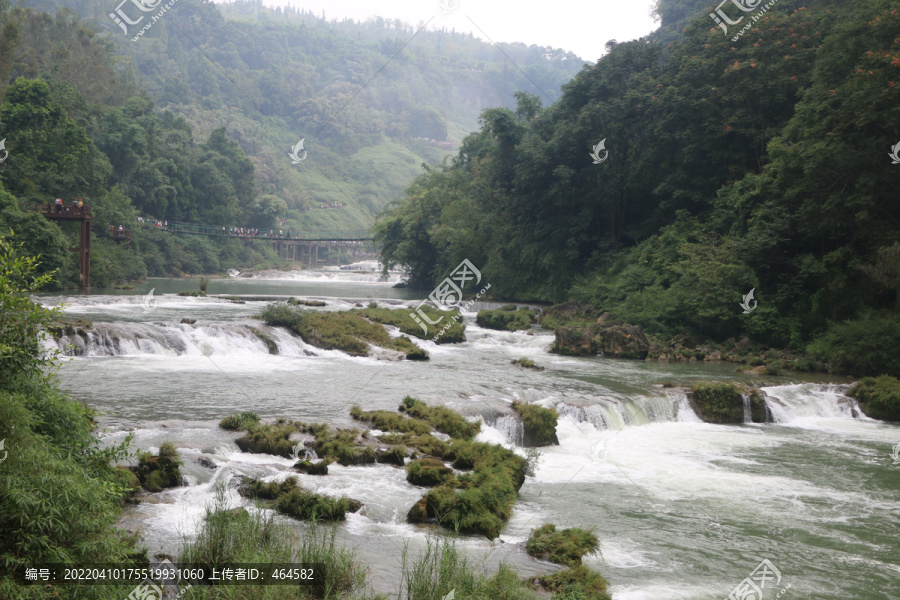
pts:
[287, 236]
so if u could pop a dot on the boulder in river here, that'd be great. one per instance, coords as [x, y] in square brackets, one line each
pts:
[615, 340]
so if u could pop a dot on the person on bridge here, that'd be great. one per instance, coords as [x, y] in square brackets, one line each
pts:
[58, 205]
[80, 203]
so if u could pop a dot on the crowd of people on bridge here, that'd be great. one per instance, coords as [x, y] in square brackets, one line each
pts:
[242, 232]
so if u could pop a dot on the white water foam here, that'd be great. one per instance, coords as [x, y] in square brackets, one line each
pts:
[807, 404]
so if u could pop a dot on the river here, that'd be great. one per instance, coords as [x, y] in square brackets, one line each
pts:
[684, 510]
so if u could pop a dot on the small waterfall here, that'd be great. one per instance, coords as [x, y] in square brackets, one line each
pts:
[511, 428]
[748, 418]
[610, 413]
[787, 403]
[684, 412]
[171, 339]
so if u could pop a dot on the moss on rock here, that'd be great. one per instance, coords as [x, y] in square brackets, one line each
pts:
[428, 472]
[441, 418]
[293, 501]
[507, 320]
[312, 468]
[576, 582]
[564, 547]
[717, 402]
[240, 421]
[539, 423]
[268, 439]
[878, 397]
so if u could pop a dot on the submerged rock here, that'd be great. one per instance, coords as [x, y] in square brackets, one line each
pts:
[207, 462]
[312, 468]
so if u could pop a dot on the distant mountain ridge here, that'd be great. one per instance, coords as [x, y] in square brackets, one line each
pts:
[372, 101]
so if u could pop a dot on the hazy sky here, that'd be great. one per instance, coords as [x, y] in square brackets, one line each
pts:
[581, 26]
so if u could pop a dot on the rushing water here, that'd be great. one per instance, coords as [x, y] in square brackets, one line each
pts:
[683, 509]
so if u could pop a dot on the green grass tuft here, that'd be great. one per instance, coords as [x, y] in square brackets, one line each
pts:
[565, 547]
[239, 421]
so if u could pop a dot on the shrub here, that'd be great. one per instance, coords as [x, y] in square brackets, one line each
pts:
[878, 397]
[239, 421]
[158, 472]
[564, 547]
[862, 347]
[59, 498]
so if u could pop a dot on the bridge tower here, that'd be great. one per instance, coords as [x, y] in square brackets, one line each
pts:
[81, 214]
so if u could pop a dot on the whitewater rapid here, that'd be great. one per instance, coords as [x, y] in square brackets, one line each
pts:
[683, 509]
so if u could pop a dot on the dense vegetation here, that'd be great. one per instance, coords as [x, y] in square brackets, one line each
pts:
[879, 397]
[204, 137]
[59, 496]
[339, 330]
[757, 164]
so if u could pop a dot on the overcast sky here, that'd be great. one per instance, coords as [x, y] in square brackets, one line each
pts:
[580, 26]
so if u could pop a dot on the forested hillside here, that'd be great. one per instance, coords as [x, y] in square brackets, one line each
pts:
[194, 121]
[761, 163]
[274, 77]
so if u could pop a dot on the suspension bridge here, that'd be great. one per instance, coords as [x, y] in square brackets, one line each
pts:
[303, 247]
